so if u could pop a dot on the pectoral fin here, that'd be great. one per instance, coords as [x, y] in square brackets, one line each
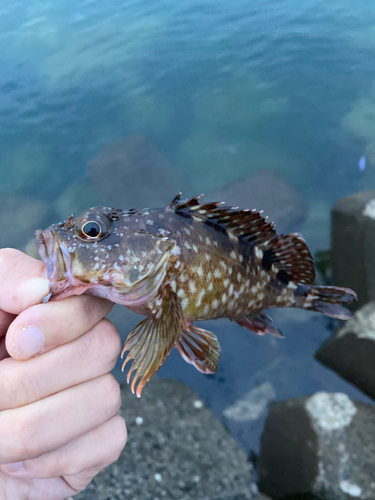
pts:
[199, 347]
[260, 324]
[152, 340]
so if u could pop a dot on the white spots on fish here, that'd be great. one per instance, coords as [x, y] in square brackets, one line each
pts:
[181, 293]
[258, 252]
[96, 258]
[224, 298]
[200, 237]
[104, 266]
[109, 248]
[192, 286]
[230, 270]
[173, 285]
[161, 216]
[200, 297]
[233, 255]
[95, 244]
[170, 219]
[150, 222]
[96, 267]
[231, 289]
[187, 245]
[223, 265]
[195, 248]
[206, 309]
[121, 257]
[209, 276]
[215, 303]
[178, 232]
[158, 302]
[216, 243]
[159, 314]
[200, 271]
[226, 282]
[208, 241]
[210, 287]
[291, 285]
[184, 303]
[207, 256]
[183, 278]
[241, 258]
[217, 273]
[187, 231]
[232, 236]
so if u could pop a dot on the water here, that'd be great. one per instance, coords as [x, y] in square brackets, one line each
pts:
[282, 84]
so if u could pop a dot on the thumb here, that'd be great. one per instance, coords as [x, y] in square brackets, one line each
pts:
[22, 281]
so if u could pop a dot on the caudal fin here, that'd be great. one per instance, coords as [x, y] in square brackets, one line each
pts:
[327, 300]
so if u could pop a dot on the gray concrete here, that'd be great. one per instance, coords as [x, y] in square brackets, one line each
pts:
[351, 351]
[319, 447]
[353, 245]
[176, 449]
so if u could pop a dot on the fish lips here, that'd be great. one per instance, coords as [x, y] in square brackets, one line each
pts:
[54, 254]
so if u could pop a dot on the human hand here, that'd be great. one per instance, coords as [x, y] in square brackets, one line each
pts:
[58, 410]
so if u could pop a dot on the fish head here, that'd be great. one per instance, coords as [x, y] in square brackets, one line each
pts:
[103, 252]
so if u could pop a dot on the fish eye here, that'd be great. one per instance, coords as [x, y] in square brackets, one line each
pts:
[92, 229]
[93, 226]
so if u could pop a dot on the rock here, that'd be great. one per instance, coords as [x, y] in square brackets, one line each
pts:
[176, 450]
[23, 169]
[76, 198]
[19, 218]
[319, 447]
[266, 190]
[351, 351]
[213, 160]
[353, 245]
[252, 404]
[133, 173]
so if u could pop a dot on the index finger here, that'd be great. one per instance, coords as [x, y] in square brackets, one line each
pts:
[22, 281]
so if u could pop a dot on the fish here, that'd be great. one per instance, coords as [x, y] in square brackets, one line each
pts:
[182, 264]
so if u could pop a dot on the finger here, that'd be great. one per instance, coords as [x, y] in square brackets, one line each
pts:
[5, 320]
[42, 327]
[78, 456]
[83, 359]
[3, 352]
[23, 281]
[50, 423]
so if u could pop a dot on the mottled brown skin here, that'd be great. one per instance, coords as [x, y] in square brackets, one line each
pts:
[180, 264]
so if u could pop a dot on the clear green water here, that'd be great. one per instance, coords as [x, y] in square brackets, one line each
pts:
[223, 88]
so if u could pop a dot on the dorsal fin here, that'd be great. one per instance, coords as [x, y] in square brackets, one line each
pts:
[249, 225]
[289, 254]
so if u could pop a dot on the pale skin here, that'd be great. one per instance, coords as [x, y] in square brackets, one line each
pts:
[59, 422]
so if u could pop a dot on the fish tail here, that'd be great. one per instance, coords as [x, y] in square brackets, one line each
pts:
[327, 300]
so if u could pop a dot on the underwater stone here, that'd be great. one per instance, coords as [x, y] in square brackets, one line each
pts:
[319, 447]
[134, 173]
[268, 191]
[351, 351]
[22, 170]
[19, 217]
[180, 452]
[353, 245]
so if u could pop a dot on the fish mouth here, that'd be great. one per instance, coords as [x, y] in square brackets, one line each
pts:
[56, 257]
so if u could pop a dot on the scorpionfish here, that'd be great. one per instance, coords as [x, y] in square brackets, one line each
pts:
[180, 264]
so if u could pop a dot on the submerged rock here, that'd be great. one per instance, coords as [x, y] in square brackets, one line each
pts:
[266, 190]
[320, 447]
[353, 245]
[19, 218]
[351, 351]
[133, 173]
[176, 450]
[23, 169]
